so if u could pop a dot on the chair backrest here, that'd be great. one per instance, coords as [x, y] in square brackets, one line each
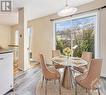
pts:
[88, 57]
[56, 53]
[45, 70]
[94, 72]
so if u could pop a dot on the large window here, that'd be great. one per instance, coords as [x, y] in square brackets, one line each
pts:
[80, 32]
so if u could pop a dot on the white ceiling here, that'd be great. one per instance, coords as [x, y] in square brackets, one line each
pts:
[37, 8]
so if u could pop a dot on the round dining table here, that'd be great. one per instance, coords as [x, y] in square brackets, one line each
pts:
[69, 63]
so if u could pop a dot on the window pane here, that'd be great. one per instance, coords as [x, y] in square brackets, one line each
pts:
[76, 32]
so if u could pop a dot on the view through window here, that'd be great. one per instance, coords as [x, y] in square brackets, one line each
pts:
[78, 32]
[29, 41]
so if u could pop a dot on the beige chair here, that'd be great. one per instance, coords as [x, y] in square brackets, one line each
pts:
[87, 56]
[90, 81]
[56, 53]
[49, 74]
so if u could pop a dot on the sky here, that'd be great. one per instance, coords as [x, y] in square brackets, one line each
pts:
[76, 22]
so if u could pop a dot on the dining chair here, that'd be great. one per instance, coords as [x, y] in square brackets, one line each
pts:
[87, 56]
[90, 80]
[56, 53]
[49, 74]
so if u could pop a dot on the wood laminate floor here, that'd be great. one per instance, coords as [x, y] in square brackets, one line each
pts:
[25, 84]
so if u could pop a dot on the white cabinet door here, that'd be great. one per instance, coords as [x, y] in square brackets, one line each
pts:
[6, 72]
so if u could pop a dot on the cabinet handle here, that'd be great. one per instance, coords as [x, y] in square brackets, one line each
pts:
[1, 58]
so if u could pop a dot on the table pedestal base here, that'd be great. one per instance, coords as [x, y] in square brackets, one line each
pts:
[67, 78]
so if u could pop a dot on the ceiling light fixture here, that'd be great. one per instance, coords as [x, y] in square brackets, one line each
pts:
[67, 10]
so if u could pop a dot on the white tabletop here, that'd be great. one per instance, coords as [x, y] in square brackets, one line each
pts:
[71, 61]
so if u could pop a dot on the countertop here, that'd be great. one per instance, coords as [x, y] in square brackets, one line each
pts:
[2, 51]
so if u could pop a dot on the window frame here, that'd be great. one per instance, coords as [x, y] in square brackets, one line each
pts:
[97, 36]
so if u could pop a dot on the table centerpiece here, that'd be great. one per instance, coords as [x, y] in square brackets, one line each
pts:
[67, 52]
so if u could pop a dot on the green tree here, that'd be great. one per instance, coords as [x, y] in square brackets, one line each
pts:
[83, 37]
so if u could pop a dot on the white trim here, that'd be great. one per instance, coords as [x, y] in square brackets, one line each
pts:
[77, 16]
[102, 29]
[54, 36]
[97, 36]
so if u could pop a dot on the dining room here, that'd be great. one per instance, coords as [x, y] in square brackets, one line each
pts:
[63, 35]
[58, 47]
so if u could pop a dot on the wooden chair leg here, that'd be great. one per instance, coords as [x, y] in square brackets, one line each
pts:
[54, 81]
[59, 87]
[86, 90]
[98, 91]
[89, 92]
[42, 81]
[46, 87]
[75, 88]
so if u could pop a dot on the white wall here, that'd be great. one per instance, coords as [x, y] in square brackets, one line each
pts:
[5, 35]
[23, 44]
[13, 32]
[103, 40]
[42, 36]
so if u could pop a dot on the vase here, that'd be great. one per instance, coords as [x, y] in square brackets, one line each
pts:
[67, 57]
